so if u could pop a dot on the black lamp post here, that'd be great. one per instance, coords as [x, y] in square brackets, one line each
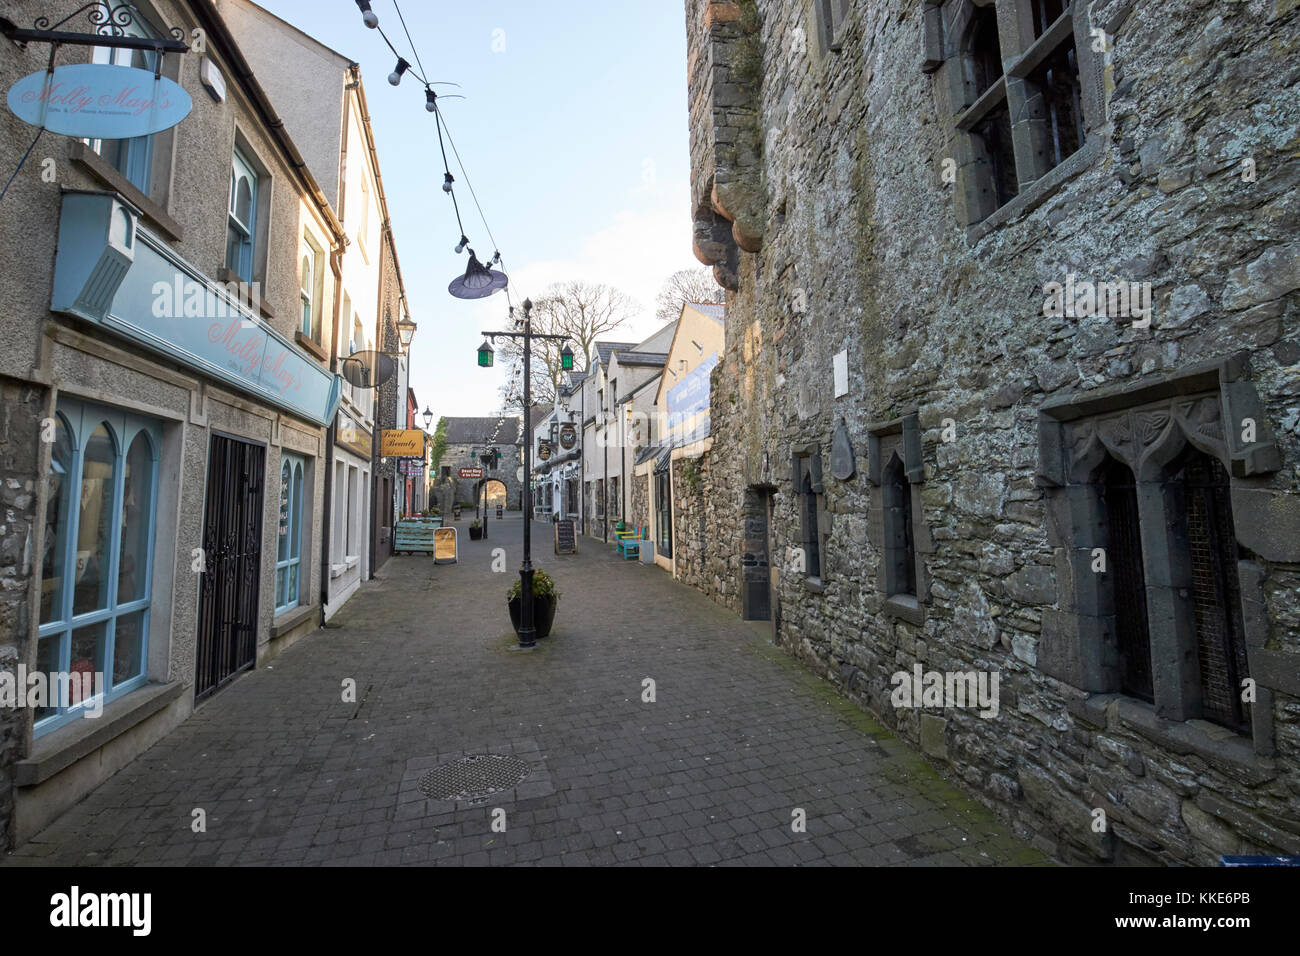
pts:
[527, 627]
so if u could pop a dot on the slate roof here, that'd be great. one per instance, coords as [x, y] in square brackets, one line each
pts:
[482, 431]
[605, 349]
[642, 358]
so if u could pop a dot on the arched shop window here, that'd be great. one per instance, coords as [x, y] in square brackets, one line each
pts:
[98, 562]
[288, 565]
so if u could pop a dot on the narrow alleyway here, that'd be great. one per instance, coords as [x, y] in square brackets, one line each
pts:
[738, 739]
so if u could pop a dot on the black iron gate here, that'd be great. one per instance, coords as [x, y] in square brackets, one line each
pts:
[232, 563]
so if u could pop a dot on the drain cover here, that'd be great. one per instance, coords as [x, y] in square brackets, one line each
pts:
[473, 777]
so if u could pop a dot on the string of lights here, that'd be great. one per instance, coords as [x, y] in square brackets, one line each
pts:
[479, 280]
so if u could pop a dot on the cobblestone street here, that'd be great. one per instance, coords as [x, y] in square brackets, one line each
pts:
[712, 772]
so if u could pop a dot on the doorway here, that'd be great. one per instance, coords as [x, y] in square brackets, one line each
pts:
[756, 577]
[230, 582]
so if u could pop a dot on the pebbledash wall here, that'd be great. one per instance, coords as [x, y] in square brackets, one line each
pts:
[858, 188]
[161, 394]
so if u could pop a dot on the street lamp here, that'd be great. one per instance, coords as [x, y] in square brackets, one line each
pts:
[428, 418]
[566, 359]
[406, 332]
[527, 627]
[485, 355]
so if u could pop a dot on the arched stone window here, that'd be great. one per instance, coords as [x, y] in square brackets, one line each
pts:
[1156, 478]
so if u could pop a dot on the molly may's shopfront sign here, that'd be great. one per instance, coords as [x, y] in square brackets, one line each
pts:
[99, 101]
[114, 273]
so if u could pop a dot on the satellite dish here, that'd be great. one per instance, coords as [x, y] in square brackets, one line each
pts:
[519, 473]
[478, 282]
[368, 369]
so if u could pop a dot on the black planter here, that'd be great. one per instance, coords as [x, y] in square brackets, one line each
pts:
[475, 533]
[543, 613]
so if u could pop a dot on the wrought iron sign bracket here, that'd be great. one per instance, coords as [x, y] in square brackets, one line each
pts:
[108, 19]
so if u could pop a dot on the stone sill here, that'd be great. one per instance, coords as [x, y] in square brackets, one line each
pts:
[1212, 743]
[98, 167]
[905, 607]
[65, 746]
[308, 344]
[1039, 191]
[289, 620]
[814, 585]
[231, 277]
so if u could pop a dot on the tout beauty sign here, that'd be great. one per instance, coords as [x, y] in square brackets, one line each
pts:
[99, 101]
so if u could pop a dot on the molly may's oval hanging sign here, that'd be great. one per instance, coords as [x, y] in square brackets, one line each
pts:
[99, 101]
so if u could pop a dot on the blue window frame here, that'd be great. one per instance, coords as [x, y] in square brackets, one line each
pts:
[97, 567]
[242, 226]
[133, 158]
[288, 551]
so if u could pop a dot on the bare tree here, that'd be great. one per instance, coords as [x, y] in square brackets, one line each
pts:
[688, 285]
[582, 311]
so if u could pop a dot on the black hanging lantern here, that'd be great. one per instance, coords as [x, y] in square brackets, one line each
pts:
[478, 282]
[485, 355]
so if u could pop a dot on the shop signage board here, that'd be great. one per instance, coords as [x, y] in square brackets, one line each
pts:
[544, 451]
[688, 403]
[113, 272]
[412, 468]
[566, 539]
[99, 101]
[471, 473]
[401, 443]
[568, 437]
[352, 436]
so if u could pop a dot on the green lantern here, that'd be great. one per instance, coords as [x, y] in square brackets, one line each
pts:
[485, 355]
[566, 359]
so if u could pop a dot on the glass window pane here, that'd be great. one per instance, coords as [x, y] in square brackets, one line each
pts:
[137, 514]
[286, 493]
[47, 662]
[295, 546]
[99, 464]
[57, 530]
[291, 587]
[280, 578]
[89, 647]
[128, 647]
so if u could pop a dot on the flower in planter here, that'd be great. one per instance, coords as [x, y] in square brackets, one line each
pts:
[543, 586]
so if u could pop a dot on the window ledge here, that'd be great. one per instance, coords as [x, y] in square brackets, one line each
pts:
[290, 619]
[1214, 744]
[336, 570]
[1039, 191]
[310, 345]
[59, 750]
[98, 167]
[814, 585]
[230, 276]
[352, 560]
[906, 607]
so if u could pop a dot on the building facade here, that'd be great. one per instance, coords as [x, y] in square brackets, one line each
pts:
[1009, 392]
[165, 426]
[678, 423]
[467, 440]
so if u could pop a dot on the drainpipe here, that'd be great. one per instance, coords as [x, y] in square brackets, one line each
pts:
[604, 487]
[327, 511]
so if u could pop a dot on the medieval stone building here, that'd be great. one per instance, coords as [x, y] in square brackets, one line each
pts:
[468, 439]
[1010, 391]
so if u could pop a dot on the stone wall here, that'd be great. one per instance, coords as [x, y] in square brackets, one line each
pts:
[639, 499]
[457, 457]
[864, 245]
[22, 408]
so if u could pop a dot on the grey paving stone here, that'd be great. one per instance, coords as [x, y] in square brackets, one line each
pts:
[708, 774]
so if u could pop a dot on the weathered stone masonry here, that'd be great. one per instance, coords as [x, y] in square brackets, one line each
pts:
[822, 198]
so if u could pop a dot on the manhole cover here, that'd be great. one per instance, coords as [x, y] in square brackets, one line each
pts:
[473, 777]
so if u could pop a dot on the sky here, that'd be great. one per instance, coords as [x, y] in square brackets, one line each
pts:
[573, 134]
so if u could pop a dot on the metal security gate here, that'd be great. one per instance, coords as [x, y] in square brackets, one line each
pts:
[232, 563]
